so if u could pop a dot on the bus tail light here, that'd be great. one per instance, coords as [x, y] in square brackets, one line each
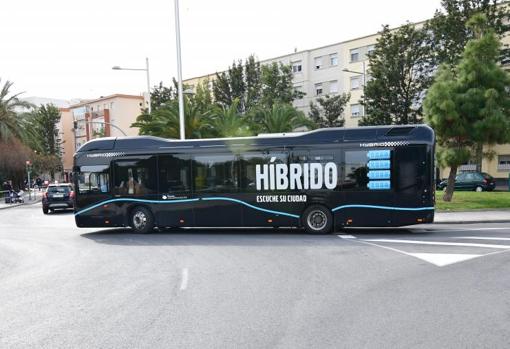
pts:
[419, 220]
[349, 221]
[270, 220]
[181, 221]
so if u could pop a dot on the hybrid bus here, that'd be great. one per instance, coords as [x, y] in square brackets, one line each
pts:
[319, 180]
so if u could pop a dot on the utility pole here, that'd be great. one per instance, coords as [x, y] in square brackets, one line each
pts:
[29, 170]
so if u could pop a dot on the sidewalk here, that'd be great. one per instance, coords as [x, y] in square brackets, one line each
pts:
[36, 197]
[475, 216]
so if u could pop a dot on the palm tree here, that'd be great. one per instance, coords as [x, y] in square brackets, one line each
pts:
[227, 122]
[164, 121]
[280, 118]
[9, 122]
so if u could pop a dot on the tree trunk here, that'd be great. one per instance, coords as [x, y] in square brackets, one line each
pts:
[479, 157]
[448, 194]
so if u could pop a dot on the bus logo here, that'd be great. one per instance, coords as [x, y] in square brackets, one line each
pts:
[304, 176]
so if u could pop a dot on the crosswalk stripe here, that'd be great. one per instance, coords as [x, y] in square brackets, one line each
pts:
[480, 238]
[440, 243]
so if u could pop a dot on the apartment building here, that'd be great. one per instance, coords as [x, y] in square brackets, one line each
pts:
[344, 68]
[105, 116]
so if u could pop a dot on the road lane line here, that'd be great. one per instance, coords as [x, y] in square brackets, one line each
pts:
[184, 281]
[480, 238]
[439, 243]
[346, 236]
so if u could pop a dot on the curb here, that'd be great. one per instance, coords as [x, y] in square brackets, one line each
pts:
[474, 221]
[23, 204]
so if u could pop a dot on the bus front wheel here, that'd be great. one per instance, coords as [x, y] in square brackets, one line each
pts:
[142, 221]
[317, 219]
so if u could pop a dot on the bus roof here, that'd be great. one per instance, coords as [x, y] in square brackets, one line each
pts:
[370, 134]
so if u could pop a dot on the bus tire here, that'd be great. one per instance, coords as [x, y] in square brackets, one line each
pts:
[141, 220]
[317, 219]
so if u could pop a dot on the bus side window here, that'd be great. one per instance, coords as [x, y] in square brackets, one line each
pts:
[355, 170]
[174, 174]
[249, 163]
[215, 173]
[135, 177]
[90, 182]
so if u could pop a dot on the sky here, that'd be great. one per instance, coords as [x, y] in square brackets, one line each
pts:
[65, 49]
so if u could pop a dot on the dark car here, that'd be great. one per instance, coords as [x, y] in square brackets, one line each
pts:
[58, 196]
[477, 181]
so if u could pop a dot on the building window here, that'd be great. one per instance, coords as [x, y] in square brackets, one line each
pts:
[355, 82]
[504, 163]
[299, 90]
[333, 86]
[356, 110]
[318, 62]
[355, 56]
[296, 67]
[333, 59]
[370, 49]
[318, 89]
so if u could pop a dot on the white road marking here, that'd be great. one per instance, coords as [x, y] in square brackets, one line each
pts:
[442, 259]
[439, 243]
[184, 281]
[438, 259]
[480, 238]
[345, 236]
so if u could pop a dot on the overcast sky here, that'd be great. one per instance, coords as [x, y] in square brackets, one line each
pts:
[65, 49]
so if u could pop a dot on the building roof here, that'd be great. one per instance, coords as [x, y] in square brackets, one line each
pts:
[104, 98]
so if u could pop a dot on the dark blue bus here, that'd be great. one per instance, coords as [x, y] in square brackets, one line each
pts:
[319, 180]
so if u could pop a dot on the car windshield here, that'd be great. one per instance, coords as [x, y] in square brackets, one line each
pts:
[62, 189]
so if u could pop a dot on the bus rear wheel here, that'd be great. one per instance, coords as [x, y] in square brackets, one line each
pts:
[317, 219]
[141, 220]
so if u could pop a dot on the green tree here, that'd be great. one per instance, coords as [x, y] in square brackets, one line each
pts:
[277, 86]
[227, 122]
[328, 112]
[252, 75]
[164, 122]
[450, 34]
[279, 118]
[400, 71]
[41, 125]
[9, 121]
[470, 104]
[161, 94]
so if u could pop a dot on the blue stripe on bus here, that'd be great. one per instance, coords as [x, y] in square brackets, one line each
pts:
[247, 205]
[252, 206]
[383, 208]
[134, 200]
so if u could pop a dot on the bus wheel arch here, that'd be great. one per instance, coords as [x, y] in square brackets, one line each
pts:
[141, 219]
[317, 219]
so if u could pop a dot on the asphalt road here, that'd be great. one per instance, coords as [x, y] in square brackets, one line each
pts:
[422, 287]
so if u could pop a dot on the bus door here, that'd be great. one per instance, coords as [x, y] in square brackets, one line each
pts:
[92, 187]
[267, 207]
[216, 185]
[175, 187]
[413, 184]
[365, 192]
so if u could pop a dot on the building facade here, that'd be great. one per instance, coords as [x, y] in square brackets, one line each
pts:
[105, 117]
[344, 68]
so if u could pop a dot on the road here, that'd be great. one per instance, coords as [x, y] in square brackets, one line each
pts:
[421, 287]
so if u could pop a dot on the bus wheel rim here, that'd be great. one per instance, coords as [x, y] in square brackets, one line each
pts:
[317, 220]
[139, 220]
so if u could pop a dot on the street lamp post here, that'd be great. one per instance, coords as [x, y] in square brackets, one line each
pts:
[179, 69]
[146, 69]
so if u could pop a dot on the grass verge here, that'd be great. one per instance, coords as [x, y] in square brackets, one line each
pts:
[471, 200]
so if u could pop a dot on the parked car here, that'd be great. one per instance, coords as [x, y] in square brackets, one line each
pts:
[58, 196]
[477, 181]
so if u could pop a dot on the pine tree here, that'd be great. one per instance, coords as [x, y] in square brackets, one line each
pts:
[470, 105]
